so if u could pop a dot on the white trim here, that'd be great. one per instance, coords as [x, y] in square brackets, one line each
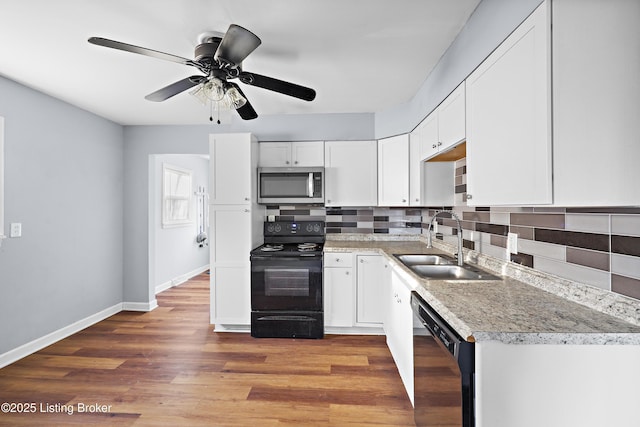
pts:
[140, 306]
[180, 279]
[39, 343]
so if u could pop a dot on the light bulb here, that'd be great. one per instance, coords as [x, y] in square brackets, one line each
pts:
[234, 99]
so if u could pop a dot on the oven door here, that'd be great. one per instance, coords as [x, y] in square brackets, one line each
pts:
[286, 283]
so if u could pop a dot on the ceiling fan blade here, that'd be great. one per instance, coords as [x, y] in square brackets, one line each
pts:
[140, 50]
[174, 88]
[236, 45]
[246, 111]
[276, 85]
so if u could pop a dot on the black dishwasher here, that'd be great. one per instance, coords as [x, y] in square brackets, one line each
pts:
[443, 364]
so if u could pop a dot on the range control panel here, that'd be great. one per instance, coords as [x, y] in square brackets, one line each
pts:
[295, 228]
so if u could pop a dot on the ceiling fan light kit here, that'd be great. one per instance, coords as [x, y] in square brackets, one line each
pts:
[219, 58]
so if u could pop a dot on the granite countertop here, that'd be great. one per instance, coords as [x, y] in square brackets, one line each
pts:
[506, 310]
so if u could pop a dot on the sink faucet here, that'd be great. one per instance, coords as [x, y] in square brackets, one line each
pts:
[453, 214]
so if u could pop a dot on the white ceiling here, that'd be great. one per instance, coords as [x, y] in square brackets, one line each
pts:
[359, 55]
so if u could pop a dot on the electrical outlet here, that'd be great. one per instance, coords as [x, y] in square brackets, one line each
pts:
[16, 229]
[512, 243]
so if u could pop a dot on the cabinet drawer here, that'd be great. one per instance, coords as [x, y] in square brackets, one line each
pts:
[338, 259]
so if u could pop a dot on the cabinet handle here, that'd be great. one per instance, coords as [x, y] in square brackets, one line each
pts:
[337, 259]
[346, 272]
[417, 200]
[246, 199]
[404, 200]
[439, 143]
[247, 210]
[295, 163]
[328, 200]
[468, 196]
[286, 162]
[361, 261]
[434, 146]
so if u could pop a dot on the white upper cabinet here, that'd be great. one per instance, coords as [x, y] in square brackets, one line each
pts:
[451, 119]
[351, 177]
[292, 154]
[234, 163]
[508, 106]
[444, 127]
[596, 102]
[393, 171]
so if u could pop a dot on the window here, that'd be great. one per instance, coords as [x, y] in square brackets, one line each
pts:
[176, 196]
[2, 236]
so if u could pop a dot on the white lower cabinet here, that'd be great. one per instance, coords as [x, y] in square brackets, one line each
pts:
[231, 295]
[370, 281]
[339, 297]
[353, 292]
[398, 327]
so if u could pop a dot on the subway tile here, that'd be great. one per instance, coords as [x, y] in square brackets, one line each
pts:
[469, 244]
[467, 225]
[477, 216]
[538, 220]
[592, 223]
[364, 218]
[625, 265]
[332, 224]
[380, 224]
[494, 251]
[626, 245]
[511, 209]
[542, 249]
[593, 259]
[499, 218]
[500, 241]
[549, 209]
[365, 224]
[606, 210]
[413, 212]
[413, 224]
[522, 259]
[381, 218]
[397, 224]
[578, 273]
[522, 232]
[349, 218]
[498, 229]
[308, 218]
[285, 218]
[625, 286]
[365, 212]
[381, 230]
[597, 242]
[482, 209]
[461, 170]
[458, 180]
[333, 230]
[318, 212]
[459, 189]
[625, 225]
[294, 212]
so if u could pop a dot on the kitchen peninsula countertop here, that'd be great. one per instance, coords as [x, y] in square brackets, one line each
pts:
[507, 310]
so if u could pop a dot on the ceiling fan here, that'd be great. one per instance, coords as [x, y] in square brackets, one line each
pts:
[219, 58]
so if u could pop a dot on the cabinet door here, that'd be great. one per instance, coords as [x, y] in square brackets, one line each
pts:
[369, 289]
[351, 176]
[307, 153]
[509, 121]
[596, 103]
[429, 136]
[339, 297]
[393, 171]
[275, 154]
[399, 330]
[451, 118]
[231, 295]
[416, 166]
[232, 168]
[232, 237]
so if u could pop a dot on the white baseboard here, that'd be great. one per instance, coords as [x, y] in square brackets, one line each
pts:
[38, 344]
[180, 279]
[140, 306]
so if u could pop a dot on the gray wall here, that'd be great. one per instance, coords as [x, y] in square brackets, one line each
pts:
[64, 184]
[487, 27]
[174, 250]
[143, 141]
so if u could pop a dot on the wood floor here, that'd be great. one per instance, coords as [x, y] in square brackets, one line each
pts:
[168, 368]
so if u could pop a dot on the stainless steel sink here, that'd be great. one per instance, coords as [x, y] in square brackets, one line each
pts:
[418, 259]
[450, 272]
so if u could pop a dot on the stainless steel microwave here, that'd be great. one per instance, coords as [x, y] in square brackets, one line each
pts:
[281, 186]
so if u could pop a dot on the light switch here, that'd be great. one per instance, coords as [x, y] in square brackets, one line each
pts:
[512, 243]
[16, 229]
